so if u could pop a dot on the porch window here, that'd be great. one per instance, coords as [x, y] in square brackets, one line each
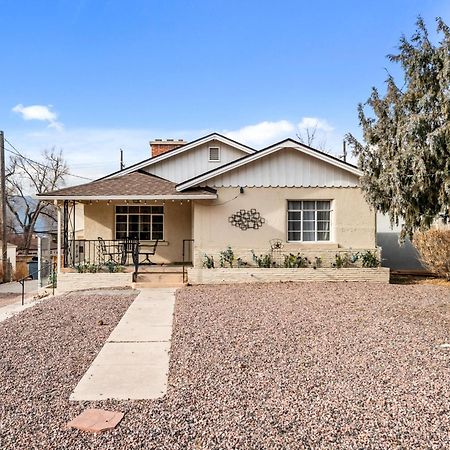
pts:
[309, 221]
[143, 222]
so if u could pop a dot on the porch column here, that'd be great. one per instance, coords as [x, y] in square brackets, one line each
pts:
[59, 240]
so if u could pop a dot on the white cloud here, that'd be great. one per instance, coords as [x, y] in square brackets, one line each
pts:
[95, 152]
[263, 133]
[39, 112]
[314, 123]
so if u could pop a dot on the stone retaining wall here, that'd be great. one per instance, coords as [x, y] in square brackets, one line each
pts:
[81, 281]
[256, 275]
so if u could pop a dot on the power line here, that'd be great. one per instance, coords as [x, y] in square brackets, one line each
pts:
[16, 152]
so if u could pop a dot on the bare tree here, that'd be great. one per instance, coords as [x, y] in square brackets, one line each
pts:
[25, 178]
[310, 138]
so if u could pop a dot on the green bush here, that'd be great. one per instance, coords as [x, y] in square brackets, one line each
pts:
[295, 261]
[227, 257]
[263, 261]
[208, 261]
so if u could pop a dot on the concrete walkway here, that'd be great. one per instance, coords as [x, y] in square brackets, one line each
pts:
[11, 298]
[134, 362]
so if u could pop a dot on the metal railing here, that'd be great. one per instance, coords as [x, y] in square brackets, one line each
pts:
[185, 262]
[103, 252]
[47, 266]
[93, 251]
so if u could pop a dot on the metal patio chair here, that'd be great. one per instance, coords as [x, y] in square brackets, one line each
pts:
[114, 254]
[147, 253]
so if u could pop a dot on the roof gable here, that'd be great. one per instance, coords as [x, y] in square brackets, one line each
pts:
[184, 148]
[313, 154]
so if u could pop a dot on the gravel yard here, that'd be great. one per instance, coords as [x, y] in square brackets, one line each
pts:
[277, 366]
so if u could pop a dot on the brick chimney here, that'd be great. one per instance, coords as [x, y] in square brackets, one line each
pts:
[158, 146]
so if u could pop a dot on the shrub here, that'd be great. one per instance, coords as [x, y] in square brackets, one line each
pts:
[208, 261]
[434, 250]
[369, 259]
[21, 270]
[295, 261]
[227, 257]
[263, 261]
[87, 268]
[344, 260]
[114, 267]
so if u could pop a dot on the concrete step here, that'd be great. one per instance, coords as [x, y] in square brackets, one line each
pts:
[145, 285]
[158, 277]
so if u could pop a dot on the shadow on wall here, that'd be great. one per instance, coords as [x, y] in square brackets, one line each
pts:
[395, 256]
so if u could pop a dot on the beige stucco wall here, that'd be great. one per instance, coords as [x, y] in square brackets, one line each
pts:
[352, 221]
[99, 220]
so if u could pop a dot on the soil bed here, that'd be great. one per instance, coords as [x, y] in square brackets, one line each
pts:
[261, 366]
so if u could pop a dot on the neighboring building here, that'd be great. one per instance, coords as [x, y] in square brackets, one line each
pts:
[215, 192]
[395, 255]
[11, 254]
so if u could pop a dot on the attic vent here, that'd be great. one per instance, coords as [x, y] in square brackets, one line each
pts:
[214, 154]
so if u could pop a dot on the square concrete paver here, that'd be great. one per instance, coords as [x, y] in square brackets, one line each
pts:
[96, 420]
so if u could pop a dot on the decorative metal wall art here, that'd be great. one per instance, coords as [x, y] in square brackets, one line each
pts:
[246, 220]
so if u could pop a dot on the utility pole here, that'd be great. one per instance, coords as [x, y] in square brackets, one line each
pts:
[122, 165]
[3, 208]
[344, 150]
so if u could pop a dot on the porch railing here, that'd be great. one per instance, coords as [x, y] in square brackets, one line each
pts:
[92, 251]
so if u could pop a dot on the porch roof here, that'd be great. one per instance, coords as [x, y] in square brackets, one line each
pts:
[132, 186]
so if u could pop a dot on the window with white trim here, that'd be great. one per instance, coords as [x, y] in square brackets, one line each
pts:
[309, 220]
[145, 223]
[214, 154]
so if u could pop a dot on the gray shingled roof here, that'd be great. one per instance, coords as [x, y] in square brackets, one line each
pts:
[137, 183]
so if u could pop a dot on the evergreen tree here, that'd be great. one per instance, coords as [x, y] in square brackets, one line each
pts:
[405, 156]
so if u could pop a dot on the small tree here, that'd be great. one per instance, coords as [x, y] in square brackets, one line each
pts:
[25, 177]
[405, 156]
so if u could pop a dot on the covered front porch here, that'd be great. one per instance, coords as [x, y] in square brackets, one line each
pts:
[126, 233]
[130, 223]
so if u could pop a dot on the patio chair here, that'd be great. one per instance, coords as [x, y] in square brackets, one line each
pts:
[147, 253]
[129, 246]
[114, 255]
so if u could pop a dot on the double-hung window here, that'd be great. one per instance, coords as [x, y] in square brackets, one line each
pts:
[309, 220]
[145, 223]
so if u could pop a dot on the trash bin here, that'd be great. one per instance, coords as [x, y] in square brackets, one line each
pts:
[32, 269]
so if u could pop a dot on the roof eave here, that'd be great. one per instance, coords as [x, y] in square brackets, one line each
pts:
[211, 196]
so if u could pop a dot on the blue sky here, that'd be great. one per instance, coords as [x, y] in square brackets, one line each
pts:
[111, 74]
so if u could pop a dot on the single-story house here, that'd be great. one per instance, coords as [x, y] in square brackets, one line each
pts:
[198, 198]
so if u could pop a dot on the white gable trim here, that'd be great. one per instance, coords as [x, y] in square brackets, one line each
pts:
[288, 143]
[182, 149]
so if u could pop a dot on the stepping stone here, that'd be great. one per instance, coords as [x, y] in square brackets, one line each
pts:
[96, 420]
